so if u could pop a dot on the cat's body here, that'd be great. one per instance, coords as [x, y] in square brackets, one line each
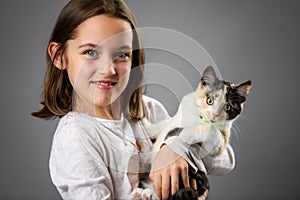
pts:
[205, 116]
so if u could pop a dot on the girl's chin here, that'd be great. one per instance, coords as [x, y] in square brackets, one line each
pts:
[103, 102]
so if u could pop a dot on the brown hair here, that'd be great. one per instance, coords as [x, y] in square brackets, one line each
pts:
[57, 92]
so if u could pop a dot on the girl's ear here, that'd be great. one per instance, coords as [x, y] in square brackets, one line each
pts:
[56, 55]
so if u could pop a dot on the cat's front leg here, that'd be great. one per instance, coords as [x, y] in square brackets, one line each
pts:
[213, 145]
[208, 136]
[196, 134]
[225, 142]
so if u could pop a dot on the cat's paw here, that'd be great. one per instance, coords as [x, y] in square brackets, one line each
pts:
[137, 194]
[149, 195]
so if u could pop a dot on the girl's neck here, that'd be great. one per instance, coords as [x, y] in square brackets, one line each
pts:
[110, 112]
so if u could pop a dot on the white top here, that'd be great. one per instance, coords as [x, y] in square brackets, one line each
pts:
[93, 158]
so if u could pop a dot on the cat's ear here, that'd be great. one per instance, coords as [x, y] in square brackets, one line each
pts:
[244, 88]
[209, 76]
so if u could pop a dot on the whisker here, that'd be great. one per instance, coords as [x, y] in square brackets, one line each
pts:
[243, 118]
[234, 131]
[237, 128]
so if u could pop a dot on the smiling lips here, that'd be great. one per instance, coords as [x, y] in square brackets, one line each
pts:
[104, 84]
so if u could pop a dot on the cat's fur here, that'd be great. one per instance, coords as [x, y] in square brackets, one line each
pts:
[205, 117]
[190, 193]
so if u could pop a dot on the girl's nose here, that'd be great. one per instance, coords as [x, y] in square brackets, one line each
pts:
[109, 69]
[107, 66]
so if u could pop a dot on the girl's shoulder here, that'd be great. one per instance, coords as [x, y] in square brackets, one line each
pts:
[154, 110]
[76, 119]
[152, 103]
[75, 124]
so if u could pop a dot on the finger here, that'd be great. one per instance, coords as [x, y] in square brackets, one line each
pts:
[165, 189]
[201, 198]
[157, 184]
[151, 176]
[204, 196]
[185, 175]
[193, 184]
[175, 181]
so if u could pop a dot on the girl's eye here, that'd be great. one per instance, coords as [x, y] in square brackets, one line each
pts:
[209, 101]
[92, 53]
[121, 56]
[227, 107]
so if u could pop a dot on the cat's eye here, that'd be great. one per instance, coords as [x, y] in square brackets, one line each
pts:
[209, 101]
[227, 107]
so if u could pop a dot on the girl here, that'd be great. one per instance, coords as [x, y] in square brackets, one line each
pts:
[93, 84]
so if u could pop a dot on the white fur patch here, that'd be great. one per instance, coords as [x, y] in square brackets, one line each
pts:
[144, 194]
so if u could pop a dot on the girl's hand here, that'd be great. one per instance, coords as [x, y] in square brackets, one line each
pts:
[167, 168]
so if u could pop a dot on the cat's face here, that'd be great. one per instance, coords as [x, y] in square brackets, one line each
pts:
[218, 100]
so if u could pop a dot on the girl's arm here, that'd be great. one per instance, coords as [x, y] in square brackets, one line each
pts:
[75, 172]
[209, 164]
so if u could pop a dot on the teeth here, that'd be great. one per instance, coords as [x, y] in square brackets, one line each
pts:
[106, 84]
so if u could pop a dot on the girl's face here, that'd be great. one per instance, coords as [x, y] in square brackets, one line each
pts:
[98, 61]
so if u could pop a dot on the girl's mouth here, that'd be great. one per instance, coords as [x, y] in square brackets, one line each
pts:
[104, 84]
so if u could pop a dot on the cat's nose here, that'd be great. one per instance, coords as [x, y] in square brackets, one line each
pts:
[216, 115]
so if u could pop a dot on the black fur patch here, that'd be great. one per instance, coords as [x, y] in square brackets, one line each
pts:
[190, 193]
[235, 100]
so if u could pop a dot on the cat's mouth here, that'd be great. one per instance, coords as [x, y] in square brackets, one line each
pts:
[207, 120]
[204, 119]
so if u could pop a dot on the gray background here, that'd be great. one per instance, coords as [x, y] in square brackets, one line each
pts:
[257, 40]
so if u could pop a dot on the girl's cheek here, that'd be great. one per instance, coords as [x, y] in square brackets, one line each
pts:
[88, 68]
[123, 69]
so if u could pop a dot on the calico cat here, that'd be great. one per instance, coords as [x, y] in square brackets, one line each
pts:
[219, 103]
[204, 117]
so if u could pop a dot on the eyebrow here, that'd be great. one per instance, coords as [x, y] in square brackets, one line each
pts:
[127, 47]
[124, 47]
[88, 45]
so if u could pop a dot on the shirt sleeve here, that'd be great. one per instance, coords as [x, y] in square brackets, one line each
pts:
[222, 164]
[154, 110]
[75, 171]
[211, 165]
